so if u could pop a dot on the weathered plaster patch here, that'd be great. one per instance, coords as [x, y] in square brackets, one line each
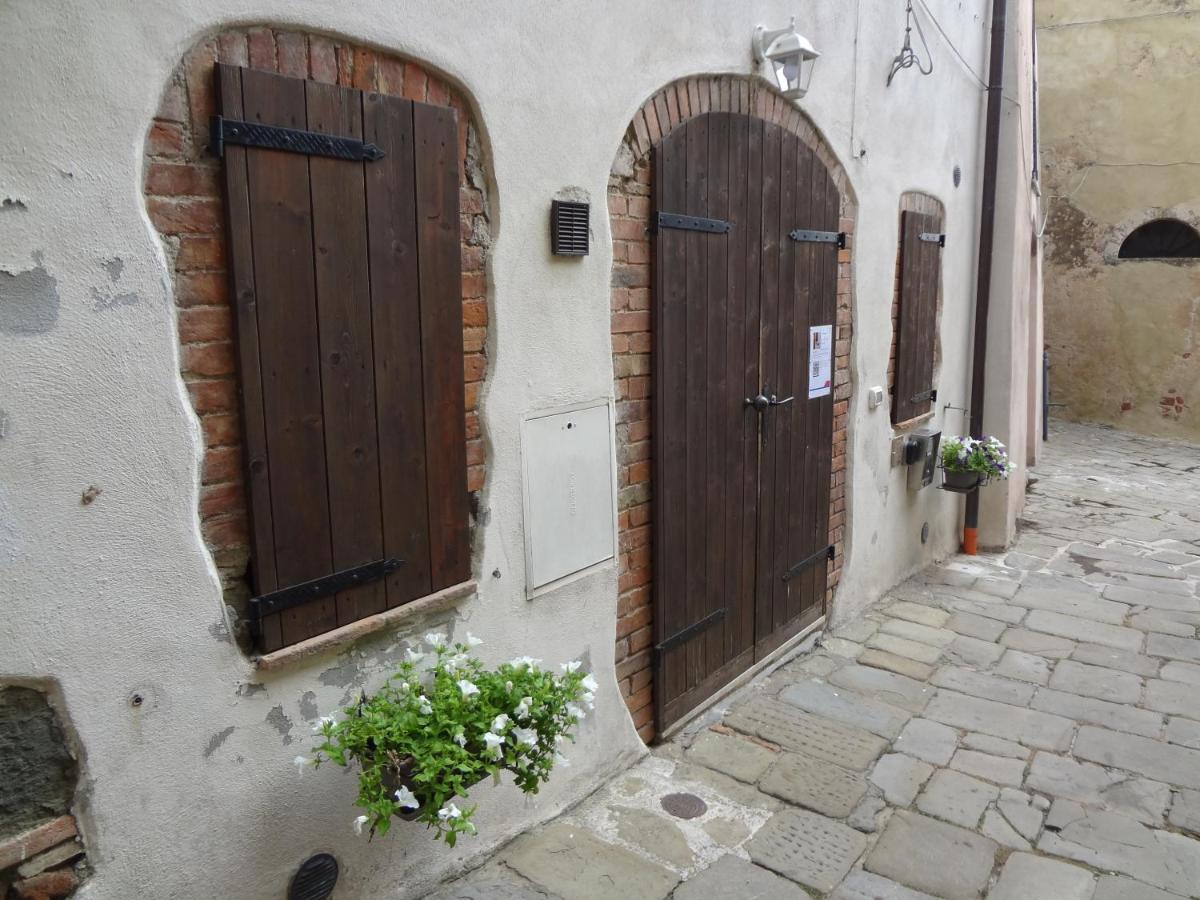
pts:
[12, 204]
[345, 673]
[102, 302]
[216, 741]
[219, 631]
[114, 267]
[250, 688]
[308, 706]
[4, 421]
[28, 300]
[278, 720]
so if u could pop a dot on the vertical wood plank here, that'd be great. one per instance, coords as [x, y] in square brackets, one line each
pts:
[435, 131]
[769, 351]
[254, 433]
[396, 318]
[343, 286]
[696, 204]
[910, 292]
[719, 431]
[289, 350]
[931, 255]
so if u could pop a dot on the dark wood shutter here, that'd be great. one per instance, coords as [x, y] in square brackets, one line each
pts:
[347, 287]
[920, 271]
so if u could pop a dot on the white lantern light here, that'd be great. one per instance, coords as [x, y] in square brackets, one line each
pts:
[791, 57]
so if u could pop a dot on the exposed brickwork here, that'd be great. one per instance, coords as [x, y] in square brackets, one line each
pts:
[913, 201]
[629, 207]
[183, 188]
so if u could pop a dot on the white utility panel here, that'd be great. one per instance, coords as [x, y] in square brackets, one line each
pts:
[570, 497]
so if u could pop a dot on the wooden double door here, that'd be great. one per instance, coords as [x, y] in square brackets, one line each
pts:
[746, 264]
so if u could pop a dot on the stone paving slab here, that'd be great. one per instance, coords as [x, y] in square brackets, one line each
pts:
[914, 849]
[1060, 776]
[900, 777]
[1096, 681]
[572, 862]
[790, 727]
[1120, 660]
[1084, 630]
[980, 684]
[890, 687]
[807, 848]
[956, 797]
[735, 757]
[1171, 647]
[1025, 876]
[1175, 765]
[1037, 729]
[814, 784]
[848, 707]
[1119, 716]
[863, 885]
[901, 665]
[731, 876]
[1118, 887]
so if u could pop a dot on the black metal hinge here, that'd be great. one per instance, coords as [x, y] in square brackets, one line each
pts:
[286, 598]
[692, 223]
[691, 631]
[931, 238]
[930, 394]
[274, 137]
[826, 552]
[807, 236]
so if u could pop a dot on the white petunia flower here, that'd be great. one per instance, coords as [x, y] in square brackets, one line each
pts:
[468, 689]
[456, 661]
[435, 639]
[500, 722]
[359, 823]
[406, 798]
[460, 738]
[526, 736]
[473, 641]
[522, 662]
[571, 666]
[508, 686]
[448, 812]
[589, 700]
[303, 762]
[413, 656]
[522, 708]
[589, 684]
[493, 742]
[573, 710]
[322, 722]
[424, 706]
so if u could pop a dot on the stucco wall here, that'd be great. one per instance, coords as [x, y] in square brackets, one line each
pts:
[119, 596]
[1121, 147]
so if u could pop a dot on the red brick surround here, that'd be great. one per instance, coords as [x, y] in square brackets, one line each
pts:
[184, 199]
[629, 207]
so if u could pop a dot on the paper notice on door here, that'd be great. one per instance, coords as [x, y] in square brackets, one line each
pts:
[820, 361]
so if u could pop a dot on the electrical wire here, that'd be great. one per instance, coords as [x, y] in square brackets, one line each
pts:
[949, 43]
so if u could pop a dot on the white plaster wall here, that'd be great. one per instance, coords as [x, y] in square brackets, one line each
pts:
[119, 596]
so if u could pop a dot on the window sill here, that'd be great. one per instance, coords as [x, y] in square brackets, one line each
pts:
[348, 634]
[908, 424]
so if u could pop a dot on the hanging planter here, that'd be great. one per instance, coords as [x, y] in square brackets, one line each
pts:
[968, 463]
[429, 735]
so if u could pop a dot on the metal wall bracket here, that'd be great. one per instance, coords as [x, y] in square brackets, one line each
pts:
[930, 394]
[692, 223]
[287, 597]
[825, 552]
[931, 238]
[691, 631]
[274, 137]
[807, 236]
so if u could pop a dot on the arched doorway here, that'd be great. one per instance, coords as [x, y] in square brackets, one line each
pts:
[741, 503]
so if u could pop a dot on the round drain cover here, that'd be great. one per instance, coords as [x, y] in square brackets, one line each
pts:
[684, 806]
[315, 878]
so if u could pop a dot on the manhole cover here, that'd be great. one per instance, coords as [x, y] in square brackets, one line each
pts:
[315, 879]
[684, 806]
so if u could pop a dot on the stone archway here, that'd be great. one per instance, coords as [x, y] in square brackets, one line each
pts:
[630, 209]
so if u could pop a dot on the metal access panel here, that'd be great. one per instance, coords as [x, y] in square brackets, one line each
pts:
[570, 496]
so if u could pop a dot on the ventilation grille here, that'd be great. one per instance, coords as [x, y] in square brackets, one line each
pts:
[568, 228]
[315, 879]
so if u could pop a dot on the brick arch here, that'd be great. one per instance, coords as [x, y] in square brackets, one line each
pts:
[630, 207]
[183, 195]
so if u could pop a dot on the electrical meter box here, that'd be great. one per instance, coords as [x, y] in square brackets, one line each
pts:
[570, 494]
[921, 455]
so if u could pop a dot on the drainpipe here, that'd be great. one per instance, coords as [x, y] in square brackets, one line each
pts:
[987, 230]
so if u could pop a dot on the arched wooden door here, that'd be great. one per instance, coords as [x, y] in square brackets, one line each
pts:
[744, 308]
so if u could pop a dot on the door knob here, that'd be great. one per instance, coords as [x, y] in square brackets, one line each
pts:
[760, 403]
[775, 401]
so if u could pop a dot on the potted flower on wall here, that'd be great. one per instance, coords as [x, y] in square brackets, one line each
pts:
[429, 735]
[968, 462]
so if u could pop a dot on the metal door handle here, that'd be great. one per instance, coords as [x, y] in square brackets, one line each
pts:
[777, 402]
[760, 403]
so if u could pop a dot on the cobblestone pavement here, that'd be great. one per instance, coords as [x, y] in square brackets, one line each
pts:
[1021, 725]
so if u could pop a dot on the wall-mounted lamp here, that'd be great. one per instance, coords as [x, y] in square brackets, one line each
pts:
[791, 55]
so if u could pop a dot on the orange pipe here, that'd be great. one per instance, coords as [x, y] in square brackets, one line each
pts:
[970, 541]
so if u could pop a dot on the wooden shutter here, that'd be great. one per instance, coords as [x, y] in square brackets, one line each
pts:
[920, 268]
[347, 286]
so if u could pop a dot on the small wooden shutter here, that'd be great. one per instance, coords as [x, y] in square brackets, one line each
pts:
[920, 269]
[347, 287]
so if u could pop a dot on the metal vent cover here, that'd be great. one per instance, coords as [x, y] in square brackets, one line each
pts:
[315, 879]
[569, 228]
